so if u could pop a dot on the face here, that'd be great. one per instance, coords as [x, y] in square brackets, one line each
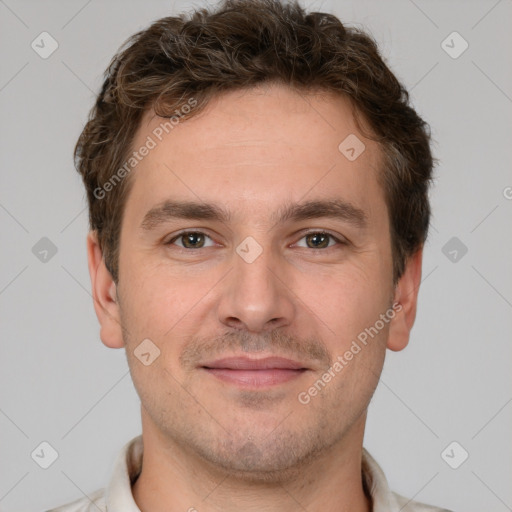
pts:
[254, 255]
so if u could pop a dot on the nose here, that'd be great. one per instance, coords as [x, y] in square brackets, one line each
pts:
[255, 296]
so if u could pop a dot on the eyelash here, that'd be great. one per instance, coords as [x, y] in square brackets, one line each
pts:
[304, 235]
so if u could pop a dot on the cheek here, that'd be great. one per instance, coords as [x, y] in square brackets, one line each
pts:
[156, 295]
[166, 307]
[348, 299]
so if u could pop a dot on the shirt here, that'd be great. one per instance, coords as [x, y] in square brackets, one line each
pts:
[117, 497]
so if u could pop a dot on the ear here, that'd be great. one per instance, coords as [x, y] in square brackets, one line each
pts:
[405, 302]
[104, 295]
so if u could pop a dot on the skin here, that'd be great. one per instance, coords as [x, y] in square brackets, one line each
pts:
[209, 444]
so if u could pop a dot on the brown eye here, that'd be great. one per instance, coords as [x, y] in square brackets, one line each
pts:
[190, 240]
[193, 240]
[318, 240]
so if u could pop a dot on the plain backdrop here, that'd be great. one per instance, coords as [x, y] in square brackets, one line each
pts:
[60, 385]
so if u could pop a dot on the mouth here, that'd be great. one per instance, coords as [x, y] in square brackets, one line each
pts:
[255, 373]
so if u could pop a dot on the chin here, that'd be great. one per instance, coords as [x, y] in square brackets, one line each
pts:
[276, 459]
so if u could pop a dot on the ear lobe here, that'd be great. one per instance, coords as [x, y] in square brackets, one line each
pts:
[405, 303]
[104, 295]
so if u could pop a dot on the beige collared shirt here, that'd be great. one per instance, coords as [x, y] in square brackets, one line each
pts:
[117, 497]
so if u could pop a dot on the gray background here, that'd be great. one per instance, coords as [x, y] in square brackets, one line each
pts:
[59, 384]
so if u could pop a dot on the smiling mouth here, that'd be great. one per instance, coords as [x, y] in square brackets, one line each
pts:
[255, 373]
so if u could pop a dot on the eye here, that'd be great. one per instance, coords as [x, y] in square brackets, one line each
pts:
[191, 240]
[320, 240]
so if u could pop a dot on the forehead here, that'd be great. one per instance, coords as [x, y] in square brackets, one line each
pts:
[258, 147]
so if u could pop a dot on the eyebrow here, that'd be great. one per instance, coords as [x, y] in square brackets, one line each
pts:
[169, 210]
[333, 208]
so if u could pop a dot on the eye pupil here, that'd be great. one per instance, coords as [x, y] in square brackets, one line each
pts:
[193, 240]
[319, 240]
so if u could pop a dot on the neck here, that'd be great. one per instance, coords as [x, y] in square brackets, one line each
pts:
[174, 479]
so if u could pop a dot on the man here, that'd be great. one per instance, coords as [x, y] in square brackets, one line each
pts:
[257, 187]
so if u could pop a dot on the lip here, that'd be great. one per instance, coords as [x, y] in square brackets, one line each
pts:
[255, 373]
[251, 363]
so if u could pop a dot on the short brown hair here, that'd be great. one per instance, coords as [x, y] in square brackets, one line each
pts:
[240, 44]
